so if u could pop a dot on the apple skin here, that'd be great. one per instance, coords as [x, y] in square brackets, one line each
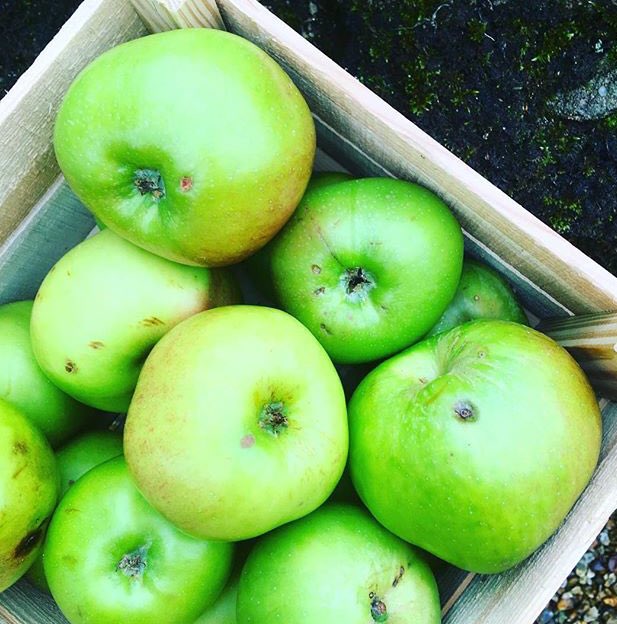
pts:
[202, 149]
[223, 611]
[336, 565]
[24, 385]
[110, 558]
[475, 444]
[29, 486]
[104, 305]
[401, 240]
[238, 423]
[481, 294]
[74, 459]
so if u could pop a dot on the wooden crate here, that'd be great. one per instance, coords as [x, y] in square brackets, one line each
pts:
[40, 219]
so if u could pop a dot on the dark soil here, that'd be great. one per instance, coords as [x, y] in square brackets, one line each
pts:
[25, 28]
[480, 76]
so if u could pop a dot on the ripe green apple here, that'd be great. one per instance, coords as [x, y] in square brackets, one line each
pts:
[104, 305]
[475, 443]
[223, 611]
[202, 145]
[110, 558]
[28, 492]
[23, 383]
[336, 565]
[367, 265]
[482, 294]
[74, 459]
[238, 423]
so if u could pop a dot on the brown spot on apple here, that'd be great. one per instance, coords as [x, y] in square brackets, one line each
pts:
[152, 321]
[316, 269]
[20, 448]
[186, 184]
[465, 411]
[319, 291]
[247, 441]
[28, 543]
[70, 366]
[399, 576]
[96, 344]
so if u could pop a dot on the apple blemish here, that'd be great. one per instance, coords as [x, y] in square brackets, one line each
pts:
[379, 612]
[186, 184]
[28, 543]
[399, 576]
[70, 366]
[149, 182]
[316, 269]
[464, 410]
[247, 441]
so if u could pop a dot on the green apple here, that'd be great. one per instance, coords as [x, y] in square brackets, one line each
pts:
[337, 565]
[475, 443]
[223, 611]
[238, 423]
[110, 558]
[202, 145]
[28, 492]
[104, 305]
[23, 383]
[367, 265]
[482, 294]
[74, 460]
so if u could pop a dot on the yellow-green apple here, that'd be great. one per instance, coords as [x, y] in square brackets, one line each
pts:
[481, 294]
[23, 383]
[111, 558]
[336, 565]
[29, 487]
[202, 145]
[475, 443]
[238, 423]
[367, 265]
[104, 305]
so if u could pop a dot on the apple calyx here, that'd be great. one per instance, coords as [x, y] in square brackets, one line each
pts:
[134, 563]
[379, 611]
[273, 418]
[357, 283]
[149, 181]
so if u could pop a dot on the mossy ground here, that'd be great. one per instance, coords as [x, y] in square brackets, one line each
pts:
[478, 75]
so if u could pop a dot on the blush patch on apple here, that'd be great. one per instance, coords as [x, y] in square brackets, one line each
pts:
[247, 441]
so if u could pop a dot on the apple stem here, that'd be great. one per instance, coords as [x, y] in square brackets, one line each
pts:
[273, 417]
[133, 564]
[149, 181]
[357, 282]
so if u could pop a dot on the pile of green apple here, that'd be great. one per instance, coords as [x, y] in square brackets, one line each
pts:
[226, 498]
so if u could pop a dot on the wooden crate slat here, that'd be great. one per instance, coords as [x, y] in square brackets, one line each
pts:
[27, 112]
[24, 604]
[160, 16]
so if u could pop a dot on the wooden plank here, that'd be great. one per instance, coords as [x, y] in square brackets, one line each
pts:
[388, 138]
[592, 340]
[24, 604]
[519, 595]
[55, 224]
[27, 112]
[159, 16]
